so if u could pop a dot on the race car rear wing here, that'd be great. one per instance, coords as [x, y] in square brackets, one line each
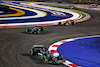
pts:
[38, 46]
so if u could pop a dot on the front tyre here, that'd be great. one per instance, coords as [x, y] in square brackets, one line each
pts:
[31, 52]
[38, 32]
[44, 59]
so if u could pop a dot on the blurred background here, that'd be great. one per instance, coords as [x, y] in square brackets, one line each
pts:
[64, 1]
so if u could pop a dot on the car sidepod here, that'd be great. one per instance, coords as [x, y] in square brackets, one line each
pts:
[40, 55]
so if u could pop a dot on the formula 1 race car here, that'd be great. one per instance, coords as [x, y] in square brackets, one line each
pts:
[93, 4]
[66, 23]
[71, 6]
[35, 30]
[45, 55]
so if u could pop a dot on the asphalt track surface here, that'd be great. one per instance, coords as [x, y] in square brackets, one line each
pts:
[15, 44]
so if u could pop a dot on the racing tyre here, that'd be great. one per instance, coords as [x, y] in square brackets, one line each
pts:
[31, 52]
[28, 31]
[59, 24]
[44, 59]
[42, 29]
[38, 32]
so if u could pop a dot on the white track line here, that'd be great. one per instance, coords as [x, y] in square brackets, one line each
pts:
[39, 14]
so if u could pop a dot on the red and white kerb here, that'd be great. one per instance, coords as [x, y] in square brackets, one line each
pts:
[53, 49]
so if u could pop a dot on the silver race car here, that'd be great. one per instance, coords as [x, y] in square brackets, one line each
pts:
[45, 55]
[35, 30]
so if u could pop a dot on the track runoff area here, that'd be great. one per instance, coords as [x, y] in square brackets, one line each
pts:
[79, 52]
[30, 14]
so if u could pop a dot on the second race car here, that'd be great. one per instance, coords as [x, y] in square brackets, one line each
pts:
[35, 30]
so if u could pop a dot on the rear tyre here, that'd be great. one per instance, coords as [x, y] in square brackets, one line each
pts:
[31, 52]
[27, 31]
[59, 24]
[42, 29]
